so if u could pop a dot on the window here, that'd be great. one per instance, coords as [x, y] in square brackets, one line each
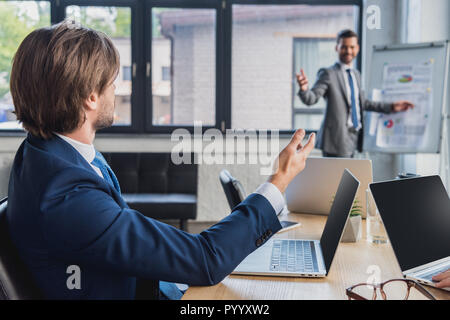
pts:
[165, 73]
[265, 38]
[17, 19]
[227, 64]
[126, 73]
[116, 23]
[310, 54]
[183, 61]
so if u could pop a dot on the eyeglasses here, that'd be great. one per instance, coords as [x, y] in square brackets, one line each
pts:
[395, 289]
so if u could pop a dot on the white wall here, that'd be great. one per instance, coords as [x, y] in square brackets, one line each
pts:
[385, 166]
[433, 24]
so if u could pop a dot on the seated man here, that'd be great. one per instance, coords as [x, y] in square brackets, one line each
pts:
[65, 210]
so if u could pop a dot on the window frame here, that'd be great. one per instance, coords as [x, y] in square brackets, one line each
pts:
[141, 31]
[183, 4]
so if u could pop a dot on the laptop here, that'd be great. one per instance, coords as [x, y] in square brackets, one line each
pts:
[312, 190]
[416, 215]
[304, 257]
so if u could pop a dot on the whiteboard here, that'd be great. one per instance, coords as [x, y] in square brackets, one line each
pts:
[436, 55]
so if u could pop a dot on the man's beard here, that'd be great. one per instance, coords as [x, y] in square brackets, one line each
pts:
[343, 58]
[105, 117]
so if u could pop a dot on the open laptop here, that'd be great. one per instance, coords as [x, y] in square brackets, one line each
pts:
[416, 215]
[313, 189]
[305, 258]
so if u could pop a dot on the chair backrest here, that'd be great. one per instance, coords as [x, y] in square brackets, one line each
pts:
[233, 189]
[148, 172]
[16, 282]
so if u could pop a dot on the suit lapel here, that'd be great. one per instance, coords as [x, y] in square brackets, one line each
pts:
[341, 81]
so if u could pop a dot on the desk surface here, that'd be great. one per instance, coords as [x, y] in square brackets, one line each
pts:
[353, 263]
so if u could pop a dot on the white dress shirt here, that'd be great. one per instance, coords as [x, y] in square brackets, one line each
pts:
[344, 68]
[267, 189]
[87, 151]
[273, 195]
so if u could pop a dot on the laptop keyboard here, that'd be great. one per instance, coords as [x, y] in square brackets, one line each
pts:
[293, 256]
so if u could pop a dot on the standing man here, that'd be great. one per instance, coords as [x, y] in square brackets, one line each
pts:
[65, 209]
[341, 132]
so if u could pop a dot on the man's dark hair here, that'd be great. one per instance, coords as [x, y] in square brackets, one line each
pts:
[54, 71]
[347, 33]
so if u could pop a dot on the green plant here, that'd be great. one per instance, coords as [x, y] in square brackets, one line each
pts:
[356, 207]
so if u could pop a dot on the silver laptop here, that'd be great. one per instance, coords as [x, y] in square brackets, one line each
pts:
[313, 189]
[416, 215]
[305, 258]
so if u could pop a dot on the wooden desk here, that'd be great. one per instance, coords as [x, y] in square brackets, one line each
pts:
[353, 263]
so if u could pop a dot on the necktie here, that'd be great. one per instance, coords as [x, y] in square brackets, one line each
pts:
[170, 291]
[106, 170]
[353, 99]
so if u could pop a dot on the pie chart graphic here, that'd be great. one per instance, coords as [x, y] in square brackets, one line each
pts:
[405, 78]
[389, 123]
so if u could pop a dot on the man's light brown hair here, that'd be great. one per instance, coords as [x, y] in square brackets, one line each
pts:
[54, 71]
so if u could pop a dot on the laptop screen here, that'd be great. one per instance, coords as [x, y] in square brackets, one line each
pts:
[339, 212]
[416, 215]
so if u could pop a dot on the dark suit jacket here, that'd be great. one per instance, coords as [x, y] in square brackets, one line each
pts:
[61, 213]
[333, 135]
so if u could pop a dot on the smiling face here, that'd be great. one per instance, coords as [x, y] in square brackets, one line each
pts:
[347, 49]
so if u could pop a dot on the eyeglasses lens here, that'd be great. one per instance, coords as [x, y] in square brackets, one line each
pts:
[366, 291]
[396, 290]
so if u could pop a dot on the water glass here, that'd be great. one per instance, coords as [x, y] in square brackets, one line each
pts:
[375, 230]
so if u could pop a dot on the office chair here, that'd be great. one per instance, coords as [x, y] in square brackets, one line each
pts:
[235, 194]
[16, 282]
[234, 191]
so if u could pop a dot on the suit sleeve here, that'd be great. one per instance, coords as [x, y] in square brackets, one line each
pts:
[82, 223]
[376, 106]
[320, 88]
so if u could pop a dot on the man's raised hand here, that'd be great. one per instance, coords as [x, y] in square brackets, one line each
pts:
[292, 159]
[302, 80]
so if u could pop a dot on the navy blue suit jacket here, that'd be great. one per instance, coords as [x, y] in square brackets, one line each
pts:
[61, 213]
